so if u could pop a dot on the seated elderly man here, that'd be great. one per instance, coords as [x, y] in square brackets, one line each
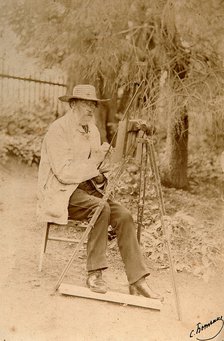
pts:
[70, 158]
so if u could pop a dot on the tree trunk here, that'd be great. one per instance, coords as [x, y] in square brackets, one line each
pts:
[174, 171]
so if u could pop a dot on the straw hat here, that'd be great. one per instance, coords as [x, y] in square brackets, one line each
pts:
[83, 91]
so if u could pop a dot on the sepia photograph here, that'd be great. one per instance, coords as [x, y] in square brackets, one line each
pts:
[112, 170]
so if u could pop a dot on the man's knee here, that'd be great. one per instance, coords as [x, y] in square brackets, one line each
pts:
[125, 215]
[106, 209]
[96, 202]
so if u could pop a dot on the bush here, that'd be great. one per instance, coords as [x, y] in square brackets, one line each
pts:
[23, 129]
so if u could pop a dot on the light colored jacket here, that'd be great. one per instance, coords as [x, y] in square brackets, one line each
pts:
[65, 163]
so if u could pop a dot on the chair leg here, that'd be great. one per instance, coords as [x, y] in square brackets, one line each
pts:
[44, 245]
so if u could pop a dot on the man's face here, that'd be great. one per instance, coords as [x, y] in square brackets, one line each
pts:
[84, 110]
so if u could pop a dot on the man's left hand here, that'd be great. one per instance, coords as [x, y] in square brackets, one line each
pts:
[99, 179]
[104, 168]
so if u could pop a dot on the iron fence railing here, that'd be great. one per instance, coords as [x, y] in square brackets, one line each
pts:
[18, 88]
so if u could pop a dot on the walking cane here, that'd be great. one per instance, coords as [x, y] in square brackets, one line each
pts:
[92, 221]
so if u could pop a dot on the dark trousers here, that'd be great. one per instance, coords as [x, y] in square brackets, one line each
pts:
[82, 205]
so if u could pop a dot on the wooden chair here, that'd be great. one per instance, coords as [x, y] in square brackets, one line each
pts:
[47, 236]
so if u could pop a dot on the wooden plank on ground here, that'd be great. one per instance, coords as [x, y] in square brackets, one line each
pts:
[111, 296]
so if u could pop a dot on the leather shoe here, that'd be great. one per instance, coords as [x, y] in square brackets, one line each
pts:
[95, 282]
[141, 287]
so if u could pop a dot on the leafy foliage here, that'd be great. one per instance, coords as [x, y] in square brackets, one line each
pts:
[89, 44]
[174, 47]
[172, 43]
[22, 131]
[191, 220]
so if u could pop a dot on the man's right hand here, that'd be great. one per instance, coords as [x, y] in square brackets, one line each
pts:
[105, 147]
[99, 155]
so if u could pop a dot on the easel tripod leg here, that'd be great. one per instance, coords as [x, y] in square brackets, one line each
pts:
[141, 199]
[151, 152]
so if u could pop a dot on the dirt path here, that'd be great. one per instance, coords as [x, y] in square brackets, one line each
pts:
[29, 311]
